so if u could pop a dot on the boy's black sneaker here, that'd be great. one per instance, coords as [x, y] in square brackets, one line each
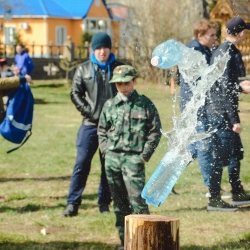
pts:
[217, 204]
[70, 210]
[240, 198]
[104, 208]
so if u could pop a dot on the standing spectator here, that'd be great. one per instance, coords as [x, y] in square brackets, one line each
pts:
[129, 132]
[205, 38]
[23, 61]
[224, 120]
[90, 90]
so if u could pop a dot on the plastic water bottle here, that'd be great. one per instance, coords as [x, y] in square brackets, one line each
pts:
[191, 63]
[193, 67]
[164, 177]
[168, 54]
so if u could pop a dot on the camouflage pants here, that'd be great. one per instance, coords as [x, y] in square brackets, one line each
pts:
[126, 178]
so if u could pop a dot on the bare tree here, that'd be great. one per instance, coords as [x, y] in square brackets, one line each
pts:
[151, 22]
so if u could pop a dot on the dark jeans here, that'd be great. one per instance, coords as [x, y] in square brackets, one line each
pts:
[87, 144]
[203, 150]
[228, 150]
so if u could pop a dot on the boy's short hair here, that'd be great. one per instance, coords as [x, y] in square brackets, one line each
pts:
[123, 73]
[203, 26]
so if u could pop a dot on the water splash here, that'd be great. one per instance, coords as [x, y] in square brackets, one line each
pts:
[200, 77]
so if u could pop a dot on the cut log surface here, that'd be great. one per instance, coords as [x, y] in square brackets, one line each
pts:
[151, 232]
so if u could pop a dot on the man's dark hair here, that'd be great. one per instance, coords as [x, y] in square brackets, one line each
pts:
[21, 45]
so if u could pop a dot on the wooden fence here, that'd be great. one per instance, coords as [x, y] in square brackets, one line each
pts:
[47, 58]
[51, 50]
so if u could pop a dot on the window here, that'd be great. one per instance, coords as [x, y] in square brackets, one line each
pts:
[95, 25]
[9, 34]
[60, 35]
[97, 3]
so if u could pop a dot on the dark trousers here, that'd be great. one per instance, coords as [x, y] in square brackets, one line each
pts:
[203, 150]
[234, 177]
[228, 150]
[87, 144]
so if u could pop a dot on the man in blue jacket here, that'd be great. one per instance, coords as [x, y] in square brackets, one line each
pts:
[205, 38]
[23, 61]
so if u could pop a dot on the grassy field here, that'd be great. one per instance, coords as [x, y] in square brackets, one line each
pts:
[35, 181]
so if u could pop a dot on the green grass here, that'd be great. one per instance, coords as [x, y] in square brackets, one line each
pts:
[35, 181]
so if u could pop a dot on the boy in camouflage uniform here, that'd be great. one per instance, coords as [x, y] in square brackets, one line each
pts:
[129, 132]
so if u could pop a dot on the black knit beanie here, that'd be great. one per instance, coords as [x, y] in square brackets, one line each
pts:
[99, 40]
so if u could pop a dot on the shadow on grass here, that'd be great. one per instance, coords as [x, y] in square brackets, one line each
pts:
[241, 244]
[48, 85]
[57, 246]
[41, 101]
[34, 208]
[200, 209]
[84, 206]
[30, 207]
[84, 197]
[67, 177]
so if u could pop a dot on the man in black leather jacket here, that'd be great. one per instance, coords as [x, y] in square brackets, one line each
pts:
[90, 90]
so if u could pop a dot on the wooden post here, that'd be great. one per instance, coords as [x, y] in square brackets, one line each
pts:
[151, 232]
[172, 85]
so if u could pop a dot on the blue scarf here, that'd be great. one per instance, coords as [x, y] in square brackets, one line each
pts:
[103, 66]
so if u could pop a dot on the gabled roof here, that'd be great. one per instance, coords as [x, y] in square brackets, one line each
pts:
[231, 8]
[117, 11]
[72, 9]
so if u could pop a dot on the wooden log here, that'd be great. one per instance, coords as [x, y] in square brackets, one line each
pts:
[151, 232]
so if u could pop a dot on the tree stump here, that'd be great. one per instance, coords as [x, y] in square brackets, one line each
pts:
[151, 232]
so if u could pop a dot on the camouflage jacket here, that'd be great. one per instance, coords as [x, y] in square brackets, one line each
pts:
[132, 126]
